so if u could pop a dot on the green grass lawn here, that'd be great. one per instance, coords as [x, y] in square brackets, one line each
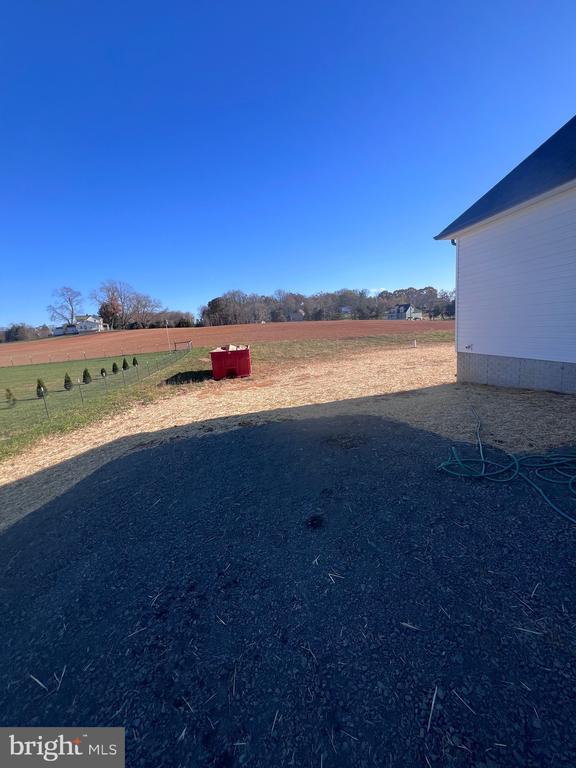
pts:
[32, 417]
[22, 378]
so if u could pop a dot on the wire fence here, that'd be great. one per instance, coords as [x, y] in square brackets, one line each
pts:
[37, 353]
[25, 400]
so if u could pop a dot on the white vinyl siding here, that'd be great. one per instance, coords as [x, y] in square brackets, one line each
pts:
[516, 283]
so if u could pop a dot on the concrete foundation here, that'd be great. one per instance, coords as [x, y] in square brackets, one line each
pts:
[517, 372]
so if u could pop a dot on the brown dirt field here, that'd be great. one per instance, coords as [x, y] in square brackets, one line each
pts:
[415, 386]
[61, 348]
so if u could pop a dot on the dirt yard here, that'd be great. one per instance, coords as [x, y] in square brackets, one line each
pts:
[413, 386]
[273, 571]
[133, 342]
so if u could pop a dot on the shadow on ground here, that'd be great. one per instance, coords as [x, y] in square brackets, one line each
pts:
[188, 377]
[310, 591]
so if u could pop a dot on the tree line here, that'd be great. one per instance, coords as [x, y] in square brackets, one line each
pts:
[236, 307]
[122, 307]
[118, 304]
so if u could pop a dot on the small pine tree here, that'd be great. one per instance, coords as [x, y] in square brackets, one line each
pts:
[41, 390]
[134, 362]
[68, 382]
[115, 368]
[10, 399]
[125, 365]
[103, 373]
[86, 378]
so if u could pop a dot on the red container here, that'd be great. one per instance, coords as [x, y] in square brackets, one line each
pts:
[231, 361]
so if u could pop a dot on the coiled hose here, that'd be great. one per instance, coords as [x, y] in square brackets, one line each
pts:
[557, 468]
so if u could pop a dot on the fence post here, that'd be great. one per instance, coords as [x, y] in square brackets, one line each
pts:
[80, 390]
[168, 337]
[45, 403]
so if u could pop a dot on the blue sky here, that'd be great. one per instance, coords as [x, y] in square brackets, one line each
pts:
[193, 147]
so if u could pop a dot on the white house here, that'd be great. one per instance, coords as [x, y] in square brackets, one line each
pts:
[90, 324]
[516, 274]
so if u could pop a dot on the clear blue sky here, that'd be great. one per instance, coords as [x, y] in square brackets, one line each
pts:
[193, 147]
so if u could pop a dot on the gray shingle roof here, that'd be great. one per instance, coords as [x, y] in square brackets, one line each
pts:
[548, 167]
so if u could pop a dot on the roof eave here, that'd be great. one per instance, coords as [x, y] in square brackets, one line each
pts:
[552, 166]
[451, 233]
[445, 235]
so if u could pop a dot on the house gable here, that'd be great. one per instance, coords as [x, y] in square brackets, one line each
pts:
[550, 166]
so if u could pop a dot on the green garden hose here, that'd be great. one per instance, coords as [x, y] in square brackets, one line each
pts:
[556, 468]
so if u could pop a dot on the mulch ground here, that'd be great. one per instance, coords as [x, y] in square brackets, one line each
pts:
[154, 340]
[311, 592]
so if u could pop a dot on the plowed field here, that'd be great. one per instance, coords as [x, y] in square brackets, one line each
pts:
[63, 348]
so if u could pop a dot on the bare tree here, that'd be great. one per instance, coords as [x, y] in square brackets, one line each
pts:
[123, 305]
[20, 332]
[143, 309]
[118, 295]
[68, 302]
[174, 318]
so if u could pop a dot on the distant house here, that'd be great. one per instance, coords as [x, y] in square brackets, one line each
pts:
[65, 330]
[404, 312]
[81, 324]
[346, 311]
[515, 250]
[90, 324]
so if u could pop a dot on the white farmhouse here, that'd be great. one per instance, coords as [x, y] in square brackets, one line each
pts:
[90, 324]
[516, 274]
